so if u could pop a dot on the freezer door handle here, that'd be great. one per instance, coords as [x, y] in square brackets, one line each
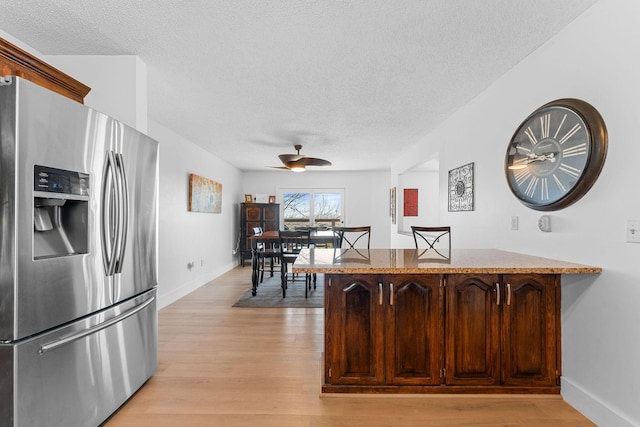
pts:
[50, 346]
[115, 213]
[123, 196]
[110, 218]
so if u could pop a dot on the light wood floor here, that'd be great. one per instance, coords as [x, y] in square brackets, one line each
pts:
[224, 366]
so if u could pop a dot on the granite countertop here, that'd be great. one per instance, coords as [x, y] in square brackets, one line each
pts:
[393, 261]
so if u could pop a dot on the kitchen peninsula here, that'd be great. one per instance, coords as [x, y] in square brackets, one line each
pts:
[412, 321]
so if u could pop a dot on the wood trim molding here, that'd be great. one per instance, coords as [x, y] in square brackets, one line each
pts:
[17, 62]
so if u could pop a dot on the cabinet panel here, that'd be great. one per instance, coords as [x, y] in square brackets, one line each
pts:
[250, 225]
[253, 213]
[353, 330]
[473, 330]
[415, 337]
[271, 213]
[529, 330]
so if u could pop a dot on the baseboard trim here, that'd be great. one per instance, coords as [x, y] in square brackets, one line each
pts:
[592, 407]
[184, 290]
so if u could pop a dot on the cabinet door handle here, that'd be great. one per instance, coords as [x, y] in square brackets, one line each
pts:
[350, 287]
[380, 293]
[508, 293]
[497, 293]
[390, 293]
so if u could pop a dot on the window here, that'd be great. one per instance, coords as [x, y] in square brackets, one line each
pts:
[312, 207]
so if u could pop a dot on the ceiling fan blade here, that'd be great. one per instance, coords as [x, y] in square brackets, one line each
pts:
[312, 161]
[278, 167]
[286, 158]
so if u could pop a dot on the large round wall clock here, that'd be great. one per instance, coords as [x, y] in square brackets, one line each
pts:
[556, 154]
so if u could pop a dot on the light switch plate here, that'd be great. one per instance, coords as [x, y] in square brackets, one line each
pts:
[514, 223]
[633, 230]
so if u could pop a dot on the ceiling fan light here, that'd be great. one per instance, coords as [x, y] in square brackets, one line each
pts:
[298, 168]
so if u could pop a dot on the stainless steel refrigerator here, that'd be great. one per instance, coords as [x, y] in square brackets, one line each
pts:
[78, 250]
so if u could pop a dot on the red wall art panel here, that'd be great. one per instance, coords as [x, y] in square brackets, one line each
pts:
[410, 202]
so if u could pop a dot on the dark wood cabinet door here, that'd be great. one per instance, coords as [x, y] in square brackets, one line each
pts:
[529, 330]
[414, 344]
[473, 330]
[271, 217]
[354, 334]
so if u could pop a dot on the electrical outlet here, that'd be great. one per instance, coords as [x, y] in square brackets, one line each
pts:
[514, 223]
[633, 231]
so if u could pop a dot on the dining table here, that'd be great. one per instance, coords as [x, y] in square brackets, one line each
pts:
[271, 238]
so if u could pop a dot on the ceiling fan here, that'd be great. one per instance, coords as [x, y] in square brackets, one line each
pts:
[299, 163]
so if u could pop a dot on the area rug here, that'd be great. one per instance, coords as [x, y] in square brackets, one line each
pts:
[270, 294]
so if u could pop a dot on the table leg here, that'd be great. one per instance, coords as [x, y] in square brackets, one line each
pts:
[254, 272]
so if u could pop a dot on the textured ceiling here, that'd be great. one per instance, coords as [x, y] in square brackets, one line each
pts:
[353, 81]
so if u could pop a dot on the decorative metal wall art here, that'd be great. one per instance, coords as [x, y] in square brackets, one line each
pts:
[461, 196]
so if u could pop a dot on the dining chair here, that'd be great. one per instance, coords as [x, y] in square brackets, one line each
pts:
[291, 243]
[353, 237]
[428, 238]
[352, 244]
[263, 252]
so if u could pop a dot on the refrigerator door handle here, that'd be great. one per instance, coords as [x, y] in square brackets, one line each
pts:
[124, 211]
[110, 214]
[50, 346]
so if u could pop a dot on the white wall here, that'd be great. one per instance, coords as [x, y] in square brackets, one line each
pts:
[596, 58]
[203, 238]
[118, 84]
[366, 194]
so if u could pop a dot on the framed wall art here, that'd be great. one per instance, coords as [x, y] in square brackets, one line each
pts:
[410, 202]
[205, 195]
[392, 204]
[248, 198]
[461, 197]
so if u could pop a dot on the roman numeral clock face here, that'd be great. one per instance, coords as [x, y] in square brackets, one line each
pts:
[556, 154]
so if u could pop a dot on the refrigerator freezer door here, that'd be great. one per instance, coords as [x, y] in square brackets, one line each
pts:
[78, 375]
[136, 264]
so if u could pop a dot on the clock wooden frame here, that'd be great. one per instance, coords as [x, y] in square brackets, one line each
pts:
[597, 141]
